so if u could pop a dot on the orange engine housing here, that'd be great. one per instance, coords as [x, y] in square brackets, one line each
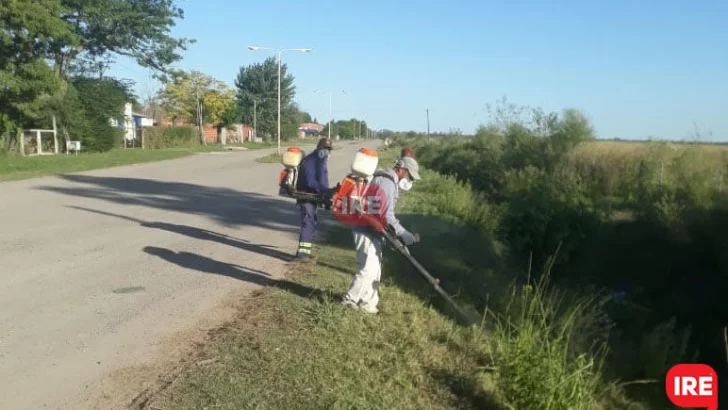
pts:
[282, 177]
[348, 187]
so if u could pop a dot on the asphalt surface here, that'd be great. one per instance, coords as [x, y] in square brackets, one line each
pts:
[98, 268]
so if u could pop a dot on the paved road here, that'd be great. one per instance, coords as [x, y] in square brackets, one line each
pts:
[98, 268]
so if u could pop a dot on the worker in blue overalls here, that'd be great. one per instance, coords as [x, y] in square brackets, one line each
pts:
[313, 178]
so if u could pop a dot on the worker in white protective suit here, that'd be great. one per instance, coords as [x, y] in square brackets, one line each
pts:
[363, 292]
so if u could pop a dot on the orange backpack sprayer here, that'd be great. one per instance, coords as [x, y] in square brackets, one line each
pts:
[356, 185]
[290, 159]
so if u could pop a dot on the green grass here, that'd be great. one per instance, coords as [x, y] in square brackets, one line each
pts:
[270, 158]
[291, 351]
[293, 346]
[15, 167]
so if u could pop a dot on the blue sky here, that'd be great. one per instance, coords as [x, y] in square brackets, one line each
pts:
[636, 69]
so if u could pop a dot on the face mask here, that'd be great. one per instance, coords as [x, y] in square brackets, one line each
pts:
[323, 153]
[405, 184]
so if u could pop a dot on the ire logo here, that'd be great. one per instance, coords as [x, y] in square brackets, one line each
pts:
[692, 386]
[361, 205]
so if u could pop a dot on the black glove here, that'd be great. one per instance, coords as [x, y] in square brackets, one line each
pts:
[409, 239]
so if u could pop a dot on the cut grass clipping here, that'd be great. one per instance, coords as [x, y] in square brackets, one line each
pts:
[302, 350]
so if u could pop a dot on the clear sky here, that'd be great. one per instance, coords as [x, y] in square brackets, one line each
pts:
[637, 68]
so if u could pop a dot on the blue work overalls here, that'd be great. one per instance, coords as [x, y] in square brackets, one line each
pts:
[313, 177]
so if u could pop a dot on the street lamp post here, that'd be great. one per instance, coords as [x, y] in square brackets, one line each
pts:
[279, 51]
[330, 118]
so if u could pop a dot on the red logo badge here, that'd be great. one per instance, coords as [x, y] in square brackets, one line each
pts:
[360, 204]
[692, 386]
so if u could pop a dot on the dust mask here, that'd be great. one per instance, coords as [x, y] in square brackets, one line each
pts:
[405, 184]
[323, 153]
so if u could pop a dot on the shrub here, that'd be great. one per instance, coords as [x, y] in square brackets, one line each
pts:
[170, 137]
[643, 218]
[447, 197]
[100, 101]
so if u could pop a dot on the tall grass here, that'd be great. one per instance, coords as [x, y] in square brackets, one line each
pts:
[541, 358]
[637, 221]
[548, 347]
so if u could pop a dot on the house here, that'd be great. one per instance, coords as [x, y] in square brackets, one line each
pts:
[132, 123]
[309, 129]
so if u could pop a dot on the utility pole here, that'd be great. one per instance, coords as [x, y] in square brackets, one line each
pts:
[331, 119]
[255, 119]
[279, 101]
[329, 115]
[199, 115]
[428, 121]
[279, 52]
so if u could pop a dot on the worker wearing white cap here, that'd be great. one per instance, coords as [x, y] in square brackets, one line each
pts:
[363, 292]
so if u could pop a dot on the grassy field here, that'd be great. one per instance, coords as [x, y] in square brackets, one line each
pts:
[294, 346]
[555, 335]
[15, 167]
[297, 348]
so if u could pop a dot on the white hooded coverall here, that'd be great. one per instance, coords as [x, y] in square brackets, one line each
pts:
[364, 288]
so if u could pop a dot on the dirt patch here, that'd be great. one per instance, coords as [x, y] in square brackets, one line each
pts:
[137, 387]
[146, 387]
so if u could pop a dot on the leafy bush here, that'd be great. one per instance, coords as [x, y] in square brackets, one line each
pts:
[642, 219]
[546, 209]
[170, 137]
[98, 102]
[447, 197]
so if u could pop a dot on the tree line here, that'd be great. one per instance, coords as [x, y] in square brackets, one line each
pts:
[54, 56]
[252, 101]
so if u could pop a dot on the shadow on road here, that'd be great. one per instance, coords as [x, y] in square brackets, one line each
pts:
[201, 234]
[226, 206]
[208, 265]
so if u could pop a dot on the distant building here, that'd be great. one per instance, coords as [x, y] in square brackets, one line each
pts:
[132, 124]
[309, 129]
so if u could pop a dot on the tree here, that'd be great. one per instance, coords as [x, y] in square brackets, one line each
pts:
[62, 30]
[231, 116]
[217, 101]
[347, 129]
[42, 42]
[259, 82]
[291, 119]
[137, 29]
[27, 84]
[182, 94]
[175, 99]
[30, 29]
[100, 100]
